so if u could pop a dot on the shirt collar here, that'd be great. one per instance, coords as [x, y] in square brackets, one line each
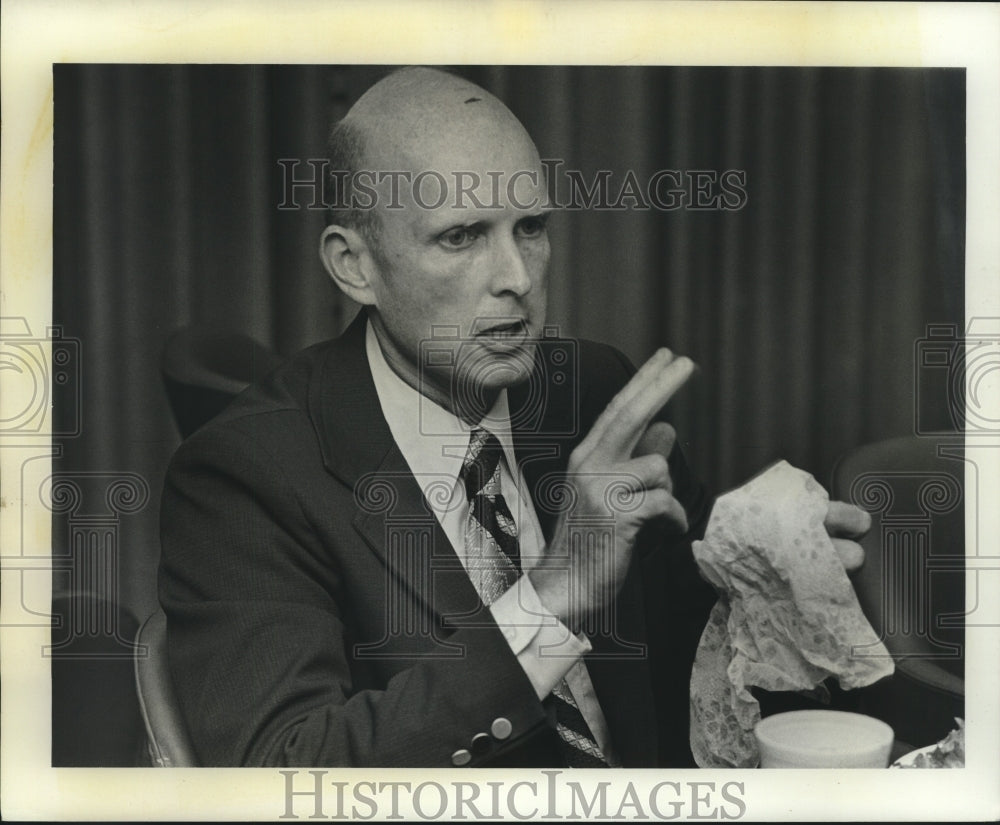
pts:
[433, 440]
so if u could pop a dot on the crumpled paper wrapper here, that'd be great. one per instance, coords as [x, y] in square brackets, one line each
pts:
[787, 616]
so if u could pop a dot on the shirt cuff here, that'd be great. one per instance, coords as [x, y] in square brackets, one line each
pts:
[544, 646]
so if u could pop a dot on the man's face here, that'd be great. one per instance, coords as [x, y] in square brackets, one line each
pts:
[461, 288]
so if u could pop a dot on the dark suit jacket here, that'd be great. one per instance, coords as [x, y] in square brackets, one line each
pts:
[317, 615]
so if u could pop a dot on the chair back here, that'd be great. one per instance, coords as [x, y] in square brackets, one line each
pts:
[203, 370]
[168, 743]
[912, 584]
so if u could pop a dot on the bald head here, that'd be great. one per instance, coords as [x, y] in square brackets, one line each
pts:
[411, 94]
[414, 109]
[419, 119]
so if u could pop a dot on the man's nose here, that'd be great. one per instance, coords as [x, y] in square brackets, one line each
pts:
[509, 269]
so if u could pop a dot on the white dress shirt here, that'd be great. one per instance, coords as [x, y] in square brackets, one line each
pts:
[434, 443]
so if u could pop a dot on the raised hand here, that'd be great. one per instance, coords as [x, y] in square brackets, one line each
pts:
[619, 481]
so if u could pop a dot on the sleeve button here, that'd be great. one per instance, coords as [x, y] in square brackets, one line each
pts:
[481, 743]
[461, 757]
[501, 728]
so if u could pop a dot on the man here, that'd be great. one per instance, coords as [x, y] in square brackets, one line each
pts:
[444, 538]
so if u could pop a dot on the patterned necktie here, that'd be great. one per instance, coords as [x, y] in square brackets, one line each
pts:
[493, 560]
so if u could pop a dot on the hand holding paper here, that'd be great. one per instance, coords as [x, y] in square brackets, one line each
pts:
[844, 522]
[787, 616]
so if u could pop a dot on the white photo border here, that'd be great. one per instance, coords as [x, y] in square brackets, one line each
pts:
[37, 34]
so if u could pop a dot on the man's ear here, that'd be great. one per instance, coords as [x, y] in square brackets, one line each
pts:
[348, 261]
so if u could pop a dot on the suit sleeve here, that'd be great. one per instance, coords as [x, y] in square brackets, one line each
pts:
[260, 636]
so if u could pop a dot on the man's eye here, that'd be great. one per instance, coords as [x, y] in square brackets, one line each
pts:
[531, 227]
[459, 237]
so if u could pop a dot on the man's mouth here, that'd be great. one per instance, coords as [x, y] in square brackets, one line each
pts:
[508, 332]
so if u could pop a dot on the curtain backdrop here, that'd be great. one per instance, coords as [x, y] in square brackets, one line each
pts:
[802, 308]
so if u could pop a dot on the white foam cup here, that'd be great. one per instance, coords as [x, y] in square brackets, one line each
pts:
[823, 739]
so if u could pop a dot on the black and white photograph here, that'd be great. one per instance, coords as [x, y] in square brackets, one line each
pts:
[421, 432]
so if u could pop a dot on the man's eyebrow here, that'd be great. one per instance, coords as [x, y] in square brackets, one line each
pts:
[546, 212]
[473, 100]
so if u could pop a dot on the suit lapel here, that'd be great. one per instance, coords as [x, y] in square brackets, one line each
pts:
[542, 416]
[392, 516]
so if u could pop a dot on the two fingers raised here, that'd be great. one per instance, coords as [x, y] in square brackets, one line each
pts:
[626, 420]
